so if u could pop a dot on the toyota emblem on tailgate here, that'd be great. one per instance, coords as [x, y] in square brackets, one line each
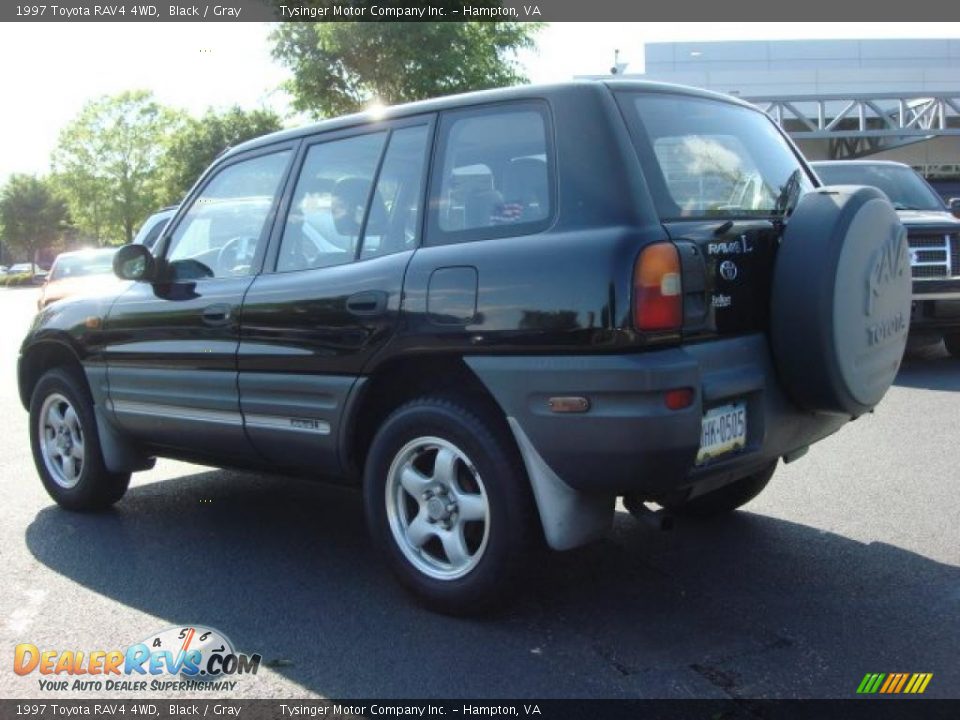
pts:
[728, 270]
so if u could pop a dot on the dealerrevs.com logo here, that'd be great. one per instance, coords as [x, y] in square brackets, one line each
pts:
[178, 658]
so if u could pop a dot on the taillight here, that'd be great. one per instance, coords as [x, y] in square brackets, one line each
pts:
[657, 291]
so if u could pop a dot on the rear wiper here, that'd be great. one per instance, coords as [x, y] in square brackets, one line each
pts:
[788, 195]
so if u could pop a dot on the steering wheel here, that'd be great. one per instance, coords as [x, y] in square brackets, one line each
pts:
[236, 255]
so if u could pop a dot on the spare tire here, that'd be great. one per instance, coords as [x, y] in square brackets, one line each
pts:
[840, 300]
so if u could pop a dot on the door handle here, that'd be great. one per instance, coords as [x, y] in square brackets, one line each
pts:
[216, 314]
[370, 302]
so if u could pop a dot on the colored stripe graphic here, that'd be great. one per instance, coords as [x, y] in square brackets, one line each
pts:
[870, 683]
[903, 680]
[891, 679]
[894, 683]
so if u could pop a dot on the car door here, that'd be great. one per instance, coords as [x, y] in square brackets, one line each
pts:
[330, 299]
[171, 345]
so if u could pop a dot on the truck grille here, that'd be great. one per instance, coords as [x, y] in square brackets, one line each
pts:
[935, 256]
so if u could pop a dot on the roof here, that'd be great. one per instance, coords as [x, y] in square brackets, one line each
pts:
[517, 92]
[845, 163]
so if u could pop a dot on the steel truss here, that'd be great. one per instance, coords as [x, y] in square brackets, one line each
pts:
[864, 123]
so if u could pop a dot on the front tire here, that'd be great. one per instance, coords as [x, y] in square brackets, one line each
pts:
[66, 446]
[448, 503]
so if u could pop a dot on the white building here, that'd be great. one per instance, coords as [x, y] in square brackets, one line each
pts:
[890, 99]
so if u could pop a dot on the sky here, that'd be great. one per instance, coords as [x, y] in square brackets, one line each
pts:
[49, 70]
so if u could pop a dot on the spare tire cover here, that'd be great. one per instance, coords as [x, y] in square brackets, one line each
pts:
[840, 300]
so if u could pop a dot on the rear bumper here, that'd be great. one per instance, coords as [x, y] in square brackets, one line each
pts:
[629, 442]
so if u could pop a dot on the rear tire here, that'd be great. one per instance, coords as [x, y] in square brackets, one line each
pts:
[952, 341]
[448, 503]
[725, 499]
[66, 446]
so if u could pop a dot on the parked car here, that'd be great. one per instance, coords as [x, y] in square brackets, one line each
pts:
[38, 273]
[497, 313]
[150, 230]
[933, 233]
[77, 272]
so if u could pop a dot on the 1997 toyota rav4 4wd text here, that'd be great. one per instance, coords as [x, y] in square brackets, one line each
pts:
[498, 311]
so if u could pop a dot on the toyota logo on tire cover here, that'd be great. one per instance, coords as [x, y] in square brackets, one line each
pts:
[728, 270]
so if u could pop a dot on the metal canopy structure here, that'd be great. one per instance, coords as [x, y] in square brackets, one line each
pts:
[859, 124]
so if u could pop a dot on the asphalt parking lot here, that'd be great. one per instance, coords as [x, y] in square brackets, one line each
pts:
[849, 563]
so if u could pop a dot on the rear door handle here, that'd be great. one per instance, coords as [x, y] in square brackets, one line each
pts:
[216, 314]
[370, 302]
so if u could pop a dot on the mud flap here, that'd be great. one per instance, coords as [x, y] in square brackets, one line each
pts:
[569, 518]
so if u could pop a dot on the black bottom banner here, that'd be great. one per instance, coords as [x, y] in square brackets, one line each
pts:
[854, 709]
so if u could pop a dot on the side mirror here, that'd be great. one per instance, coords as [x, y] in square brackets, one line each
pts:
[954, 205]
[133, 262]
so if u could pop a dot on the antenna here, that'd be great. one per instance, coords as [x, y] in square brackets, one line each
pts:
[618, 67]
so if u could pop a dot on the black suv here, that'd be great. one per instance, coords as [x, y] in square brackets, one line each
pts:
[933, 234]
[498, 312]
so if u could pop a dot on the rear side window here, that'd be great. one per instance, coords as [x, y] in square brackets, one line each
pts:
[393, 222]
[705, 158]
[327, 213]
[495, 174]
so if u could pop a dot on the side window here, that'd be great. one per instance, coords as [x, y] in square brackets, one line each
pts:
[329, 204]
[394, 221]
[495, 175]
[219, 235]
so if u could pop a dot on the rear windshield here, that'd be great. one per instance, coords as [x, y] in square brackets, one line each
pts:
[707, 159]
[906, 190]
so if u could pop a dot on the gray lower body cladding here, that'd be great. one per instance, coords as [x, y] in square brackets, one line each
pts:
[628, 441]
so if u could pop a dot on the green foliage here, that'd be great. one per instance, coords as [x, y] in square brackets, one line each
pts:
[338, 67]
[199, 140]
[17, 280]
[32, 214]
[107, 160]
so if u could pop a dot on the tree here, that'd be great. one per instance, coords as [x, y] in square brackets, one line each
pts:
[106, 163]
[194, 146]
[31, 214]
[338, 67]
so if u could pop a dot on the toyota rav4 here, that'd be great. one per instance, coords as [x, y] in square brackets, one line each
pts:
[496, 312]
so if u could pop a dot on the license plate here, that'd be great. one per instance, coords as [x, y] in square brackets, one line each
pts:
[724, 429]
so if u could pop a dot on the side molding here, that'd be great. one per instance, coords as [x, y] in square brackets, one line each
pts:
[569, 518]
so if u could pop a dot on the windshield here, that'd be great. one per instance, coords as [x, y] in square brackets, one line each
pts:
[93, 263]
[151, 229]
[906, 189]
[708, 159]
